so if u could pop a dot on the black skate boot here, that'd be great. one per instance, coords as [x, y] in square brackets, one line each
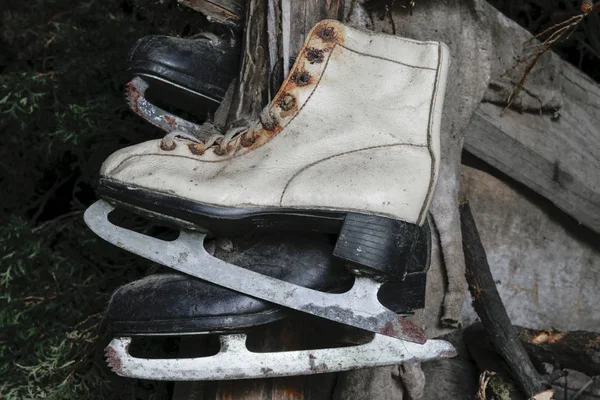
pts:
[188, 74]
[175, 305]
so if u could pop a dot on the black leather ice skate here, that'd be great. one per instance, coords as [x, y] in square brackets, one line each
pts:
[169, 304]
[191, 74]
[173, 304]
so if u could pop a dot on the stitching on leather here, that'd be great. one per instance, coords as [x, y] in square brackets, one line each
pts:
[310, 95]
[429, 127]
[338, 155]
[323, 74]
[386, 59]
[212, 3]
[330, 53]
[178, 85]
[400, 39]
[240, 155]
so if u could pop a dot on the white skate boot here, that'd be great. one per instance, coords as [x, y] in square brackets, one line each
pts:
[349, 145]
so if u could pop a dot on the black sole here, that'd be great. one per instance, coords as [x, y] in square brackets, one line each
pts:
[372, 245]
[185, 82]
[229, 324]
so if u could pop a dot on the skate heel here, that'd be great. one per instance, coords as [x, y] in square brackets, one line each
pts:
[377, 246]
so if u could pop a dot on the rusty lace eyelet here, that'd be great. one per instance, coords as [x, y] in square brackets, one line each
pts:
[196, 149]
[287, 102]
[326, 33]
[301, 78]
[270, 125]
[247, 140]
[163, 146]
[314, 55]
[220, 151]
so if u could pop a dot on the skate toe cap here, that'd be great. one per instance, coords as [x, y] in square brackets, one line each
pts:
[153, 156]
[119, 159]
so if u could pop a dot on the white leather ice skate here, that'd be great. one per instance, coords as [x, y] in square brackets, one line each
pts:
[349, 145]
[353, 130]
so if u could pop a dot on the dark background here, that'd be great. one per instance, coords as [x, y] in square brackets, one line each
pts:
[62, 112]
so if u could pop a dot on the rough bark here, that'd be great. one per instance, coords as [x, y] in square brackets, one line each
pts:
[501, 385]
[252, 85]
[489, 307]
[578, 350]
[250, 95]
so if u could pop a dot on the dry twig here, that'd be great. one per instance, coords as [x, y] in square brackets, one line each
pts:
[556, 33]
[484, 379]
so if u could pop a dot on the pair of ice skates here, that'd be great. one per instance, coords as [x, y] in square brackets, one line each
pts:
[331, 185]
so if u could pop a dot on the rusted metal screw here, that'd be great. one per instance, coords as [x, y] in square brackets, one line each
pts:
[287, 102]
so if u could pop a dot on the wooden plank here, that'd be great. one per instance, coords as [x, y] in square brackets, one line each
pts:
[306, 14]
[557, 158]
[230, 12]
[251, 91]
[300, 330]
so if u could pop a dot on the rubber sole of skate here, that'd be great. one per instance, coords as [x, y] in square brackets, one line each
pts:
[236, 323]
[373, 245]
[358, 307]
[194, 326]
[235, 361]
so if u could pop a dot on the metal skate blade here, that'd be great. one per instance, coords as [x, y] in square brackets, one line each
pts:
[235, 361]
[135, 96]
[358, 307]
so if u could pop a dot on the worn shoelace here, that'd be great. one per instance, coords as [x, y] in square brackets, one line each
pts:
[210, 136]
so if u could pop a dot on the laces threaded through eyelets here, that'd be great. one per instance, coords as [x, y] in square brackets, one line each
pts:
[210, 136]
[247, 140]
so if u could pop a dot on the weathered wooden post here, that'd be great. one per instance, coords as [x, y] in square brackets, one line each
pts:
[250, 97]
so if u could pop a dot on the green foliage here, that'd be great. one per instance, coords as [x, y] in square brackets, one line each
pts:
[24, 94]
[62, 112]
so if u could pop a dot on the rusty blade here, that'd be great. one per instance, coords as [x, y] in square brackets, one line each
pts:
[135, 95]
[358, 307]
[235, 361]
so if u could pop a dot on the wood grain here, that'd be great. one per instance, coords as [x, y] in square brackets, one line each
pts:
[557, 157]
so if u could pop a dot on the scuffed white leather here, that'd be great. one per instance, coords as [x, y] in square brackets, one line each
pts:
[407, 51]
[384, 163]
[365, 138]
